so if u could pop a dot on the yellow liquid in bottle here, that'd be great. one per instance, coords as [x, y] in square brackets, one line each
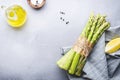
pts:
[16, 16]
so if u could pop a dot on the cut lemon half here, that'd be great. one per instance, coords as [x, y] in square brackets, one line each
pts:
[113, 46]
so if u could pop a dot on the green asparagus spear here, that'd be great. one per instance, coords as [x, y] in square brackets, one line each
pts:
[66, 60]
[100, 22]
[101, 29]
[80, 67]
[74, 63]
[93, 28]
[87, 27]
[90, 23]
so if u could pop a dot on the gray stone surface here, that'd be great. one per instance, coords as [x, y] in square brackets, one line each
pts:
[30, 53]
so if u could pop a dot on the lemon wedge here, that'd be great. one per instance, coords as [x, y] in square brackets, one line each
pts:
[112, 46]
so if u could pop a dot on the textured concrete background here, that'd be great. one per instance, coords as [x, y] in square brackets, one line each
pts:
[30, 53]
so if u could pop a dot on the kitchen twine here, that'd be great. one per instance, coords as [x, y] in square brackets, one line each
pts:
[82, 46]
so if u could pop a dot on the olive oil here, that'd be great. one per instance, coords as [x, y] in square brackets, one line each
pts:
[16, 16]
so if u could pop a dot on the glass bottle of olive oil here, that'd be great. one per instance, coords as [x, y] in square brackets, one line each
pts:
[16, 16]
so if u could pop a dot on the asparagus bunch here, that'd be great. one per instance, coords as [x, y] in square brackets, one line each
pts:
[74, 60]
